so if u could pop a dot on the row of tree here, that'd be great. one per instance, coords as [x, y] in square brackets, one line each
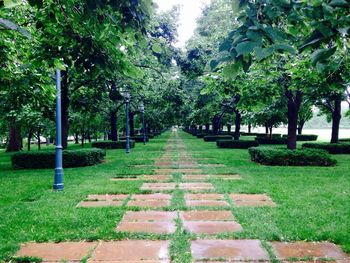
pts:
[266, 63]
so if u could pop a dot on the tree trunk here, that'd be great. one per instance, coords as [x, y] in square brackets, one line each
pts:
[300, 128]
[249, 128]
[207, 127]
[293, 110]
[30, 134]
[113, 118]
[14, 143]
[266, 129]
[89, 136]
[238, 121]
[270, 133]
[216, 124]
[132, 123]
[336, 117]
[65, 101]
[39, 140]
[82, 137]
[76, 138]
[229, 128]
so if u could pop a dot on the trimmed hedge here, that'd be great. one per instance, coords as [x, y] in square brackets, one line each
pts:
[138, 138]
[46, 159]
[201, 135]
[251, 134]
[305, 137]
[264, 140]
[344, 140]
[285, 157]
[214, 138]
[112, 144]
[236, 144]
[273, 136]
[332, 148]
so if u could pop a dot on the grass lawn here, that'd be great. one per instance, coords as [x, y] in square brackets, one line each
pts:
[312, 202]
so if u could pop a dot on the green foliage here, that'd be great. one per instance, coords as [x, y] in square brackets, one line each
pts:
[267, 140]
[112, 145]
[284, 157]
[305, 137]
[46, 159]
[241, 144]
[214, 138]
[332, 148]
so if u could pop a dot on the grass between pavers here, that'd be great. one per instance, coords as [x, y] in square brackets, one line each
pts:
[312, 202]
[304, 212]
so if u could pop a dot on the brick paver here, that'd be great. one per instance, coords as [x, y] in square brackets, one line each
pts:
[158, 186]
[252, 200]
[150, 200]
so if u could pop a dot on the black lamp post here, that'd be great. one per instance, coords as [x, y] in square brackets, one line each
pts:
[127, 130]
[142, 108]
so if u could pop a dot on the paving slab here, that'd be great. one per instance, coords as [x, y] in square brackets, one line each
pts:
[209, 203]
[132, 250]
[196, 186]
[111, 197]
[229, 250]
[204, 215]
[155, 196]
[252, 200]
[150, 200]
[204, 197]
[316, 250]
[212, 227]
[157, 177]
[64, 251]
[156, 227]
[158, 186]
[225, 177]
[195, 177]
[144, 216]
[171, 171]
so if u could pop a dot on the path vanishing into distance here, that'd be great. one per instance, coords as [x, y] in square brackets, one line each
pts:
[180, 216]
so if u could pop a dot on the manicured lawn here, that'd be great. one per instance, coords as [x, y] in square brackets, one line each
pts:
[312, 202]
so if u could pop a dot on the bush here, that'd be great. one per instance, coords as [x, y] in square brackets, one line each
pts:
[265, 140]
[112, 144]
[305, 137]
[285, 157]
[46, 158]
[333, 148]
[264, 135]
[214, 138]
[236, 144]
[344, 140]
[137, 138]
[251, 134]
[201, 135]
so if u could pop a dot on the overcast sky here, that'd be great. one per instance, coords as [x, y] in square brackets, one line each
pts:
[190, 11]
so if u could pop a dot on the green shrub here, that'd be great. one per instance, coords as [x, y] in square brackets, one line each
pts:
[285, 157]
[201, 135]
[304, 137]
[236, 144]
[273, 136]
[137, 138]
[333, 148]
[112, 144]
[46, 158]
[344, 140]
[265, 140]
[214, 138]
[251, 134]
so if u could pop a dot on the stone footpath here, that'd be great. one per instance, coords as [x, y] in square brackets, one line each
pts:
[206, 215]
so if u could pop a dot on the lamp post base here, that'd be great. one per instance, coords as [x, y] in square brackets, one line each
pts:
[58, 183]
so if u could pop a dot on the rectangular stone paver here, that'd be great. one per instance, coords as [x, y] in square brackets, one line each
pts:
[229, 250]
[112, 197]
[213, 203]
[195, 177]
[132, 250]
[99, 203]
[196, 186]
[252, 200]
[158, 186]
[157, 177]
[204, 197]
[225, 177]
[185, 171]
[211, 227]
[65, 251]
[150, 200]
[315, 250]
[202, 215]
[155, 222]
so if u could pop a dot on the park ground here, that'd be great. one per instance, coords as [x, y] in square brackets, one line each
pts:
[312, 202]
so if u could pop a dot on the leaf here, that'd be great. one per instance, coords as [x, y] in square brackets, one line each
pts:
[226, 45]
[213, 64]
[230, 71]
[11, 3]
[322, 55]
[59, 64]
[262, 53]
[338, 3]
[246, 47]
[157, 48]
[284, 47]
[37, 3]
[314, 40]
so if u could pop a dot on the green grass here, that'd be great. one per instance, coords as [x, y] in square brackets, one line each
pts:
[313, 203]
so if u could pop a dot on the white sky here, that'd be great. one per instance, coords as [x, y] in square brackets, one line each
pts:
[190, 11]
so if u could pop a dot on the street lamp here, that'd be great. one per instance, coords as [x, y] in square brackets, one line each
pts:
[58, 180]
[127, 131]
[142, 109]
